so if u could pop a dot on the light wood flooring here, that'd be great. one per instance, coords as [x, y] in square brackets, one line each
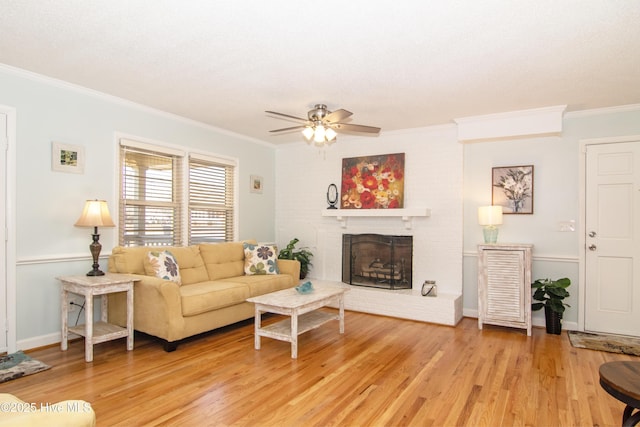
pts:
[381, 372]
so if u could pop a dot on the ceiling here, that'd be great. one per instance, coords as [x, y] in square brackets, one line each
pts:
[414, 64]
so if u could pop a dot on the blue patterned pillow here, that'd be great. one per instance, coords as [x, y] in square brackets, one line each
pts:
[164, 265]
[260, 259]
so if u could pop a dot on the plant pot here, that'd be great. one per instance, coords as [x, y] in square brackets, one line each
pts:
[553, 320]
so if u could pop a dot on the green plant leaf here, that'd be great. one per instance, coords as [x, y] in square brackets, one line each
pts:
[537, 306]
[538, 283]
[302, 255]
[556, 306]
[557, 293]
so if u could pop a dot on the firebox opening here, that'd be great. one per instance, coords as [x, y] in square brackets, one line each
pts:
[379, 261]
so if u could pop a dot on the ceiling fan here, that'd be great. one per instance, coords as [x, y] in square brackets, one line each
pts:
[321, 124]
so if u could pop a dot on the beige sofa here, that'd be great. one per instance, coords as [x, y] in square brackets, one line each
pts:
[212, 293]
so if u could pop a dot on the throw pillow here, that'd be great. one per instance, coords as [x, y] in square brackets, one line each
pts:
[260, 259]
[163, 265]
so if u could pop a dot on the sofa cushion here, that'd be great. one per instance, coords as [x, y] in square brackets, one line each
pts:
[211, 295]
[263, 284]
[162, 264]
[131, 260]
[260, 259]
[224, 259]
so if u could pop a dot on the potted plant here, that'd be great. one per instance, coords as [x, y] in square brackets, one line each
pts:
[551, 294]
[303, 255]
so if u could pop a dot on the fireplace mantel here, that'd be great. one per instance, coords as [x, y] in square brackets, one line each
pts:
[406, 215]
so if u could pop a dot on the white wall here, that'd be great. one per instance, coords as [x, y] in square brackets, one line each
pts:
[48, 203]
[437, 165]
[556, 190]
[433, 179]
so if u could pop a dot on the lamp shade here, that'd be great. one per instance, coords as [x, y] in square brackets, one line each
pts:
[308, 133]
[330, 134]
[95, 214]
[319, 134]
[490, 215]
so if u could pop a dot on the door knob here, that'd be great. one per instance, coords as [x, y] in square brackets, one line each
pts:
[592, 234]
[592, 247]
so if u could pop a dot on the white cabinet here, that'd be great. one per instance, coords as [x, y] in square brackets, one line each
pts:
[504, 285]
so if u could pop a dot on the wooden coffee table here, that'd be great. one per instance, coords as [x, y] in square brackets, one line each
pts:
[303, 312]
[622, 381]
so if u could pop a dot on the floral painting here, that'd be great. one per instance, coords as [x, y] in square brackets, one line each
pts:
[513, 189]
[373, 182]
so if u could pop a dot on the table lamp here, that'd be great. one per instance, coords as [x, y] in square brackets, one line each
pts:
[490, 216]
[95, 214]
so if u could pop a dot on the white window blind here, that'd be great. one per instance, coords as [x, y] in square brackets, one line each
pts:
[211, 200]
[150, 197]
[166, 193]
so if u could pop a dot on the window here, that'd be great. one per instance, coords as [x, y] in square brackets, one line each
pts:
[156, 181]
[211, 192]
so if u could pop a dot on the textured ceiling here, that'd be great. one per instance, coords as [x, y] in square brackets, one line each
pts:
[394, 65]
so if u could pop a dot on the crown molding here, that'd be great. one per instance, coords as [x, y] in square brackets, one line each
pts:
[124, 102]
[536, 121]
[604, 110]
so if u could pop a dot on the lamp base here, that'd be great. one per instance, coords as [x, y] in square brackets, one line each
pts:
[490, 234]
[95, 272]
[95, 247]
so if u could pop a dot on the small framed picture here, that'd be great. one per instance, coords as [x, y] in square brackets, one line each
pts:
[512, 188]
[255, 185]
[67, 158]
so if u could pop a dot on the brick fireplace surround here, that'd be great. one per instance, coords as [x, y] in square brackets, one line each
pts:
[444, 309]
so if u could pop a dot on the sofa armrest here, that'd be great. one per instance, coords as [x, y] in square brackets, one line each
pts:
[290, 267]
[157, 307]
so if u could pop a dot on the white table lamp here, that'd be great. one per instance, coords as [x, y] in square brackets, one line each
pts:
[95, 214]
[490, 216]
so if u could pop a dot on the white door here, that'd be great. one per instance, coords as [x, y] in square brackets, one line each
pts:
[612, 226]
[3, 237]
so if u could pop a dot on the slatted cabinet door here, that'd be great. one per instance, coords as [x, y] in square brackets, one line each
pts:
[504, 285]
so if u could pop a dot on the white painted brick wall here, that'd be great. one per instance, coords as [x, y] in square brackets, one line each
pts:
[445, 309]
[433, 179]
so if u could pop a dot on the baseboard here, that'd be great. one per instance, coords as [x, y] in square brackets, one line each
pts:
[41, 341]
[538, 322]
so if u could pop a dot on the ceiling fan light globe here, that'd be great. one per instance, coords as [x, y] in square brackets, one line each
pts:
[319, 134]
[308, 133]
[330, 134]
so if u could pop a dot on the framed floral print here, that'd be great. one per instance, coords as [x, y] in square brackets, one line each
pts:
[373, 182]
[512, 188]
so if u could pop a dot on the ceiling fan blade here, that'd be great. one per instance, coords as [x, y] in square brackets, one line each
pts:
[355, 128]
[300, 119]
[288, 129]
[337, 115]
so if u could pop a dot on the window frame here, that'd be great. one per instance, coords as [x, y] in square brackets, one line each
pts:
[184, 154]
[218, 161]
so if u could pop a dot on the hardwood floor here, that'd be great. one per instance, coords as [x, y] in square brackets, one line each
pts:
[381, 372]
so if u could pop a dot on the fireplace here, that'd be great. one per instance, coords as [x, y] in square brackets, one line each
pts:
[379, 261]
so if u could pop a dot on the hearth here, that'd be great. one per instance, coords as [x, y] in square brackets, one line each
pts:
[376, 260]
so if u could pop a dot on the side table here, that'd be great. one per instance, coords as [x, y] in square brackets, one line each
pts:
[622, 381]
[96, 332]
